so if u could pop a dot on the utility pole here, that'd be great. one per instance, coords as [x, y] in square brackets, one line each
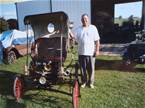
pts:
[51, 6]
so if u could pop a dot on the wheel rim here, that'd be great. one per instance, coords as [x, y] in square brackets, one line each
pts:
[75, 95]
[17, 88]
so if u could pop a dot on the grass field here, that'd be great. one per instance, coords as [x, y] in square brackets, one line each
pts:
[116, 86]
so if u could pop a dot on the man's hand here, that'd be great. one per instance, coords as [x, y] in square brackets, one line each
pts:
[97, 47]
[97, 53]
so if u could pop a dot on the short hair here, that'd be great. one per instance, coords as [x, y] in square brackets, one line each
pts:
[85, 14]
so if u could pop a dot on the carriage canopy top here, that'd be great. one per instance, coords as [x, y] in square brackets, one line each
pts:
[48, 25]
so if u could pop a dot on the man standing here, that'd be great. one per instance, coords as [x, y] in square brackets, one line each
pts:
[87, 37]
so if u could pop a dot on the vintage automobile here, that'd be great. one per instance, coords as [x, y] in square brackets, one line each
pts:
[135, 52]
[48, 54]
[13, 52]
[14, 45]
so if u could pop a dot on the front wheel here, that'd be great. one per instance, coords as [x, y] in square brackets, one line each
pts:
[76, 94]
[18, 88]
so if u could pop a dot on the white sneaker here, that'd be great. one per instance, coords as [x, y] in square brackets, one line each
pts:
[83, 85]
[92, 86]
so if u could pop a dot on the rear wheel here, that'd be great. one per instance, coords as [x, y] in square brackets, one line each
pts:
[11, 57]
[128, 65]
[75, 94]
[18, 88]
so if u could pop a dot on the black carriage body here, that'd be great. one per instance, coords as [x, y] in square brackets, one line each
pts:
[40, 22]
[49, 44]
[49, 49]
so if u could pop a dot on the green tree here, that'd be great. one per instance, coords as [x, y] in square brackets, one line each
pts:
[130, 18]
[3, 25]
[13, 24]
[120, 17]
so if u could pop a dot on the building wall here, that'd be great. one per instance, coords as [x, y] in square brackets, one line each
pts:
[73, 8]
[30, 8]
[143, 15]
[102, 17]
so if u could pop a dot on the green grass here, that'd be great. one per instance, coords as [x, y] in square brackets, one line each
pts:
[115, 87]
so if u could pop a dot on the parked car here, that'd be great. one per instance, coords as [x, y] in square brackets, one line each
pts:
[135, 52]
[14, 45]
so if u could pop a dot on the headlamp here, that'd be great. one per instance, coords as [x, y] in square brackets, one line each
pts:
[42, 80]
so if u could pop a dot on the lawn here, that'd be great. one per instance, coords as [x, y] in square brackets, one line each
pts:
[116, 86]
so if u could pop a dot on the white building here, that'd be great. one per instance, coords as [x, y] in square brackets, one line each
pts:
[73, 8]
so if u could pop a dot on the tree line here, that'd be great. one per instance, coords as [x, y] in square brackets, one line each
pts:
[8, 24]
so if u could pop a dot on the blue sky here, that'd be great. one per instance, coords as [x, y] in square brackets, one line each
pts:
[125, 10]
[8, 10]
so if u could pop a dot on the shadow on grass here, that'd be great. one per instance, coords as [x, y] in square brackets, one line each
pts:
[6, 82]
[44, 96]
[116, 65]
[44, 100]
[6, 90]
[11, 103]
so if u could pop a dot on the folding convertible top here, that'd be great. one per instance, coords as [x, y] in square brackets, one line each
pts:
[40, 22]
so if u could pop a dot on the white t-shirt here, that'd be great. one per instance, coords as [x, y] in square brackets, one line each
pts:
[86, 38]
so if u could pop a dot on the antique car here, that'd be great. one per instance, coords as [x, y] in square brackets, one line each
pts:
[48, 54]
[135, 51]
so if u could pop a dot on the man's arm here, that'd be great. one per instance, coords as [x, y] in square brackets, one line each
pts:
[97, 47]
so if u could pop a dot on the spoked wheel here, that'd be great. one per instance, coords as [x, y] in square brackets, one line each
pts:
[76, 94]
[18, 88]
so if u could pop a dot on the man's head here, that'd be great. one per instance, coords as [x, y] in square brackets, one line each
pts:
[85, 20]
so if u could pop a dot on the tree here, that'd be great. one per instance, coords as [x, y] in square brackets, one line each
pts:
[120, 17]
[130, 18]
[13, 24]
[3, 25]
